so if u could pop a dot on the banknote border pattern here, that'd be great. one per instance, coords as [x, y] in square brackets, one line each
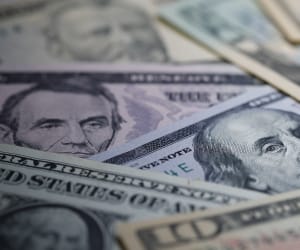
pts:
[19, 77]
[227, 222]
[51, 165]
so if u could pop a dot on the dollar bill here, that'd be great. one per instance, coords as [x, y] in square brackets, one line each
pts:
[60, 202]
[251, 141]
[88, 109]
[239, 32]
[77, 31]
[286, 15]
[272, 223]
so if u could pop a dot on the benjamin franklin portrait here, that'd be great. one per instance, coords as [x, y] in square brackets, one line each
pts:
[68, 115]
[47, 227]
[103, 31]
[255, 148]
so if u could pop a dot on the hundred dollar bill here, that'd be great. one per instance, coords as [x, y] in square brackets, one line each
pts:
[88, 109]
[251, 141]
[272, 223]
[285, 14]
[77, 31]
[239, 32]
[59, 202]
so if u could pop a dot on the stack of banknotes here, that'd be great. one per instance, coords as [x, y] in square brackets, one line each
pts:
[149, 124]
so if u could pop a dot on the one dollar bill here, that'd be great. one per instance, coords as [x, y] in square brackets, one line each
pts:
[239, 32]
[285, 13]
[261, 225]
[251, 141]
[66, 203]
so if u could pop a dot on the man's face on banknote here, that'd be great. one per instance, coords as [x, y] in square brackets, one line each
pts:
[71, 233]
[107, 33]
[45, 229]
[266, 144]
[69, 123]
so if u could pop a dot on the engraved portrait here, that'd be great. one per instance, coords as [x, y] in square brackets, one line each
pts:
[256, 148]
[103, 31]
[44, 227]
[68, 115]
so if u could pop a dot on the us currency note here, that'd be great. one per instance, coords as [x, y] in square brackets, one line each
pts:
[76, 31]
[60, 202]
[251, 142]
[88, 109]
[239, 32]
[272, 223]
[286, 15]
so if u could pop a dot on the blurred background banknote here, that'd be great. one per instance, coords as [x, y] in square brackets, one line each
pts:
[87, 109]
[65, 203]
[286, 15]
[272, 223]
[251, 141]
[73, 31]
[241, 33]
